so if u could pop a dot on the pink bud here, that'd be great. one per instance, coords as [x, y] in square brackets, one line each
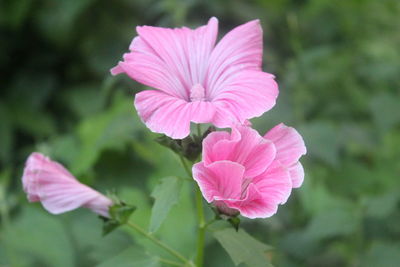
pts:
[50, 183]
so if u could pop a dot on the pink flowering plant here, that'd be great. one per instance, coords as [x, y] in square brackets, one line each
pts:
[238, 172]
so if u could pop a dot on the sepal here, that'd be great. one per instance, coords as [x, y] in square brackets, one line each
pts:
[190, 147]
[234, 219]
[119, 215]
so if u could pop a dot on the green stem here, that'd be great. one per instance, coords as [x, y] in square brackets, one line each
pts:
[201, 230]
[200, 215]
[159, 243]
[5, 220]
[185, 166]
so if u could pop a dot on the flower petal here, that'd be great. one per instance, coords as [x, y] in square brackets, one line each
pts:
[219, 180]
[249, 94]
[166, 114]
[265, 193]
[274, 184]
[50, 183]
[147, 68]
[36, 165]
[247, 148]
[224, 149]
[225, 116]
[172, 60]
[288, 142]
[259, 159]
[208, 145]
[240, 49]
[201, 112]
[253, 205]
[60, 195]
[296, 174]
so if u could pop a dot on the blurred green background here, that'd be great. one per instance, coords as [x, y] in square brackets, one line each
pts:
[338, 67]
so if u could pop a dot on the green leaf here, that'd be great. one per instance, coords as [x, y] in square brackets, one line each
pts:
[6, 135]
[293, 240]
[385, 111]
[38, 237]
[85, 229]
[130, 257]
[32, 121]
[166, 195]
[382, 254]
[64, 148]
[383, 205]
[111, 129]
[56, 20]
[322, 141]
[16, 12]
[243, 248]
[341, 221]
[85, 100]
[316, 198]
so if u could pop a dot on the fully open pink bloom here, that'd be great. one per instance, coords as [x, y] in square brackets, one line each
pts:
[58, 191]
[196, 79]
[247, 173]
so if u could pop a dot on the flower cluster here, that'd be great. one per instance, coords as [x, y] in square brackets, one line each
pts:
[195, 79]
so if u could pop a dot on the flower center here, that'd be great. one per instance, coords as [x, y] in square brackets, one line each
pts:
[197, 93]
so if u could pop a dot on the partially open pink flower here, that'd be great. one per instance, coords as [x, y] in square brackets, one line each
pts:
[196, 80]
[247, 173]
[58, 191]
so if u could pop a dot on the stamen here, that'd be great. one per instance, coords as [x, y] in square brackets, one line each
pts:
[197, 93]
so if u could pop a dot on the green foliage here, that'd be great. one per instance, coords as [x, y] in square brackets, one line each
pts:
[166, 195]
[382, 254]
[132, 256]
[383, 205]
[110, 129]
[243, 248]
[384, 108]
[321, 134]
[24, 240]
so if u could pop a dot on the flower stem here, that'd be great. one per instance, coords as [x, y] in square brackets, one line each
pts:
[200, 215]
[201, 230]
[185, 166]
[159, 243]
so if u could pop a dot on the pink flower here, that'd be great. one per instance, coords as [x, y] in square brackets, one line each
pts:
[247, 173]
[197, 80]
[50, 183]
